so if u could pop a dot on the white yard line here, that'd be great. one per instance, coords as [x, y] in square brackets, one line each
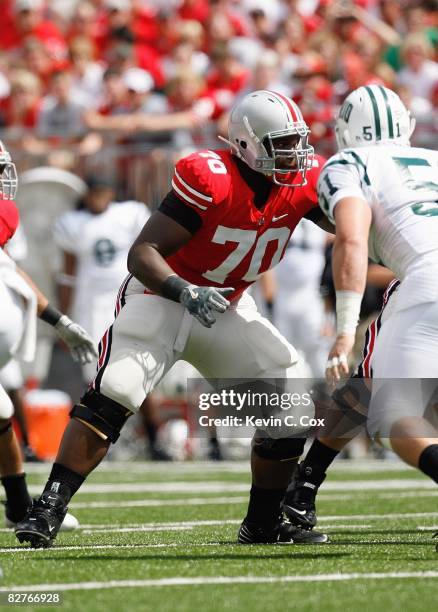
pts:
[208, 580]
[183, 525]
[212, 501]
[145, 467]
[203, 523]
[150, 503]
[91, 547]
[230, 487]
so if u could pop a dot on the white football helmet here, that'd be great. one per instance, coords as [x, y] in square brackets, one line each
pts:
[8, 175]
[267, 131]
[370, 115]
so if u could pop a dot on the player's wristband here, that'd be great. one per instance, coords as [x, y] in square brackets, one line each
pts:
[172, 287]
[51, 315]
[347, 311]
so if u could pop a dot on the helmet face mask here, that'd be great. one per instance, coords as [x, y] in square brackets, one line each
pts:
[267, 131]
[8, 175]
[287, 154]
[373, 115]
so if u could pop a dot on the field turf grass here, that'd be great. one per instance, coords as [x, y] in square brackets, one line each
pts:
[162, 537]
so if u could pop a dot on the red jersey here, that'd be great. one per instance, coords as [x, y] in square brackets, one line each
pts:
[9, 219]
[237, 241]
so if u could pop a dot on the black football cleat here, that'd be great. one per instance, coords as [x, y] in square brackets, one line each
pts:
[41, 525]
[299, 501]
[30, 456]
[281, 533]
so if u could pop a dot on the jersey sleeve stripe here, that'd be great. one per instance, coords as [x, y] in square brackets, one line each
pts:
[191, 190]
[185, 197]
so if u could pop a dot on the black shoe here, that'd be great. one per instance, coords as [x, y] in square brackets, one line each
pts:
[282, 532]
[159, 454]
[41, 525]
[12, 518]
[299, 501]
[214, 451]
[30, 456]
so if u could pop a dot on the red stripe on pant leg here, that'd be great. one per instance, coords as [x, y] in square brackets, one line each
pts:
[367, 361]
[104, 347]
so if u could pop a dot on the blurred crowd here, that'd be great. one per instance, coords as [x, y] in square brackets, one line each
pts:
[165, 72]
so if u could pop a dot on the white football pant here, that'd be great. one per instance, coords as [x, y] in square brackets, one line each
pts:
[151, 333]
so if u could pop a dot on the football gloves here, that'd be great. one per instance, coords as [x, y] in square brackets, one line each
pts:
[204, 302]
[77, 339]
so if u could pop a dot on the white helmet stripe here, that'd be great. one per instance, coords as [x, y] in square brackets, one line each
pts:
[376, 113]
[388, 112]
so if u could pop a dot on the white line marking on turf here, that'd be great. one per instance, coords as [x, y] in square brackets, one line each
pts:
[191, 524]
[431, 527]
[228, 487]
[182, 525]
[366, 517]
[144, 503]
[208, 501]
[91, 547]
[94, 529]
[206, 580]
[87, 529]
[144, 467]
[341, 517]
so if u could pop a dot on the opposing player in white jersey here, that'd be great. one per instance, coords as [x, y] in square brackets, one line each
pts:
[298, 307]
[382, 194]
[11, 376]
[21, 301]
[95, 240]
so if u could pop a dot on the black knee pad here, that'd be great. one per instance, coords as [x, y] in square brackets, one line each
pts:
[281, 449]
[353, 400]
[102, 414]
[5, 427]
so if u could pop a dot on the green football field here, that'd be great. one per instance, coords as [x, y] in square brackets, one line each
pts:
[163, 537]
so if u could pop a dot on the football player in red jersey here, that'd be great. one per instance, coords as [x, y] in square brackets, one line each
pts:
[227, 219]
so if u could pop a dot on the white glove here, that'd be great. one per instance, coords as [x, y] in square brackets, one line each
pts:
[77, 339]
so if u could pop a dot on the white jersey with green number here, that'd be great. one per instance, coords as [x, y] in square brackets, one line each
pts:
[400, 183]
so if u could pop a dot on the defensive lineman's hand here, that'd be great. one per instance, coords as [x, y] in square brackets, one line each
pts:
[77, 339]
[203, 302]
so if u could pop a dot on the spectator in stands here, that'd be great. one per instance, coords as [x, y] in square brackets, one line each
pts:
[267, 74]
[36, 58]
[61, 113]
[139, 85]
[87, 74]
[226, 79]
[28, 22]
[420, 73]
[186, 53]
[329, 49]
[114, 95]
[21, 109]
[123, 27]
[86, 22]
